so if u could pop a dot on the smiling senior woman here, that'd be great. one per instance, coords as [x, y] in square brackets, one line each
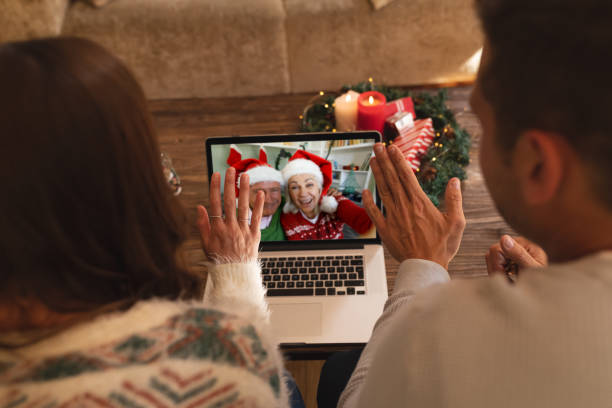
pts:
[311, 214]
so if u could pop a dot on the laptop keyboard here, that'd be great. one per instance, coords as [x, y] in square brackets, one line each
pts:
[313, 275]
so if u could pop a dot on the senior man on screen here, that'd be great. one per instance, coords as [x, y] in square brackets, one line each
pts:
[264, 178]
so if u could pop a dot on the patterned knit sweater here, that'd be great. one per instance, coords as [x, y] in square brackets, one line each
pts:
[327, 226]
[158, 354]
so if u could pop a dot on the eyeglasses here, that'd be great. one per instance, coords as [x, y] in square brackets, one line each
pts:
[171, 176]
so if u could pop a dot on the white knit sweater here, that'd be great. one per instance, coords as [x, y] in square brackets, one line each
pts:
[542, 342]
[158, 353]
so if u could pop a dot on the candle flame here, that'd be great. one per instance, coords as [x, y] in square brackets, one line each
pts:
[348, 97]
[371, 100]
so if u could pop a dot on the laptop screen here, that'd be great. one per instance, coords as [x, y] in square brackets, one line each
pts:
[312, 183]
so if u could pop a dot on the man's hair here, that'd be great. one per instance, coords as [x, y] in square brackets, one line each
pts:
[550, 68]
[87, 218]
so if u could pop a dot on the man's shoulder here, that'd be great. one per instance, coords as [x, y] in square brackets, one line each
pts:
[458, 296]
[481, 301]
[485, 338]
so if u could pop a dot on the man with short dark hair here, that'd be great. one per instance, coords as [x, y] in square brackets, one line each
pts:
[540, 338]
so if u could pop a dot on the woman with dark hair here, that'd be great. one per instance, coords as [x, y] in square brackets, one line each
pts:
[96, 307]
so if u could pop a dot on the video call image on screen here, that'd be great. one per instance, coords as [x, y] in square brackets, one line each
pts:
[313, 189]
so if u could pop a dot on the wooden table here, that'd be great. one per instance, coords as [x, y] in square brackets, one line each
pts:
[184, 125]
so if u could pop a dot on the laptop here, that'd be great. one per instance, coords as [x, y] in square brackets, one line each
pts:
[320, 291]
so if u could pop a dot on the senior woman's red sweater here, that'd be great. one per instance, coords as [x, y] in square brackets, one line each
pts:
[327, 226]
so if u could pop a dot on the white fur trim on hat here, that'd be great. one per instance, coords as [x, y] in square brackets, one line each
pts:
[264, 173]
[328, 204]
[302, 166]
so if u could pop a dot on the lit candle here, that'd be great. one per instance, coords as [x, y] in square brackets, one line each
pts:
[345, 111]
[372, 111]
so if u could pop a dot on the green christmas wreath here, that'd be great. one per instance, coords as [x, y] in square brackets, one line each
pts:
[446, 158]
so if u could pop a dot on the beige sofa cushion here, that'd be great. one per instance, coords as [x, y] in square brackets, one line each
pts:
[102, 3]
[26, 19]
[378, 4]
[192, 48]
[335, 42]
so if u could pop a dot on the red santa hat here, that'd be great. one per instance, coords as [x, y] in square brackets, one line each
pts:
[303, 162]
[258, 169]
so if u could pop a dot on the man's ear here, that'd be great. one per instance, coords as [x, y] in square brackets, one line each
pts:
[540, 160]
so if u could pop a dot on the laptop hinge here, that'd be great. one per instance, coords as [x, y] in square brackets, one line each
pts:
[311, 245]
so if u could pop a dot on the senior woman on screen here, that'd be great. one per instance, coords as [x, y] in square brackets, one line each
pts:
[310, 214]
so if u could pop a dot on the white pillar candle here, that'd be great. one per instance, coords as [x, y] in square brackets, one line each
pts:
[345, 110]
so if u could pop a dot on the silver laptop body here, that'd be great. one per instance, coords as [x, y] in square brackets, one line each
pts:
[349, 314]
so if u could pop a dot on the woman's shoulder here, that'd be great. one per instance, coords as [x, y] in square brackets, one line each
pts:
[289, 218]
[193, 333]
[211, 334]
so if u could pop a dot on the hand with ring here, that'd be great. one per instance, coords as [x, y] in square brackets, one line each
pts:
[230, 239]
[512, 255]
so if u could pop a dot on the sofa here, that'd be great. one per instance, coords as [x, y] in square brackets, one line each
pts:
[212, 48]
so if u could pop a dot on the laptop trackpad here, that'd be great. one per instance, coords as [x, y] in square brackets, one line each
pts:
[296, 320]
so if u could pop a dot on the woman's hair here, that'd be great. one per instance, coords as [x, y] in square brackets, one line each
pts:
[87, 218]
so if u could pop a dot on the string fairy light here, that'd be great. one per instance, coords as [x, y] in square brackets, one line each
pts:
[318, 116]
